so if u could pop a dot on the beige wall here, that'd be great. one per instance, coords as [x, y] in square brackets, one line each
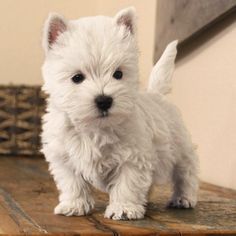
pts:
[21, 55]
[204, 88]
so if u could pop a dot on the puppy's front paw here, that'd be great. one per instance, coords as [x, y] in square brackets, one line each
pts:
[119, 211]
[182, 202]
[78, 207]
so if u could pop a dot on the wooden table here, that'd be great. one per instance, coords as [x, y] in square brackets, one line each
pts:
[28, 196]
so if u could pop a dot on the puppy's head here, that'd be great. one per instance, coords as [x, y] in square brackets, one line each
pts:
[91, 67]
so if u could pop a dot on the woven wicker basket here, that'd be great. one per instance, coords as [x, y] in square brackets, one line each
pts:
[21, 109]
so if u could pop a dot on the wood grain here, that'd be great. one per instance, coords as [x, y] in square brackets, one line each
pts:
[28, 196]
[183, 19]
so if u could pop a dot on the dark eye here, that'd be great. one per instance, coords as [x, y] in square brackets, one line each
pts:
[118, 74]
[78, 78]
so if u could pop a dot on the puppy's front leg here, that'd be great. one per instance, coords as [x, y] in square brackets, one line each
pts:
[128, 193]
[75, 197]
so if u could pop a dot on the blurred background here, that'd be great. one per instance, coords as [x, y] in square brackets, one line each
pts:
[204, 84]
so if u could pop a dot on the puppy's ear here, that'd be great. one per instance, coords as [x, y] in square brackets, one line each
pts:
[127, 18]
[54, 26]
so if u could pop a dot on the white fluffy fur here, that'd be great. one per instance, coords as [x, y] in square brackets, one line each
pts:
[143, 139]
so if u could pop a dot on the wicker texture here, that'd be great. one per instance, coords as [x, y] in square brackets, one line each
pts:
[21, 109]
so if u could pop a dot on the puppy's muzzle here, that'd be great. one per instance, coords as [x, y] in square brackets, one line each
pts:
[103, 102]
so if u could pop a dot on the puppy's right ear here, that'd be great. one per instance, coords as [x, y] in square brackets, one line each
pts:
[53, 27]
[127, 18]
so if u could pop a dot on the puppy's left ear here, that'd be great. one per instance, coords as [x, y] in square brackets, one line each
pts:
[54, 26]
[127, 18]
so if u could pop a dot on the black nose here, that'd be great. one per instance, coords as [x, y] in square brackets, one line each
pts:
[103, 102]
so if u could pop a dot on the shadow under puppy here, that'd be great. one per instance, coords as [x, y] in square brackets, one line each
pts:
[101, 130]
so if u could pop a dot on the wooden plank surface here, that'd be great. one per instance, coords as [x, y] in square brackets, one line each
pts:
[182, 19]
[28, 196]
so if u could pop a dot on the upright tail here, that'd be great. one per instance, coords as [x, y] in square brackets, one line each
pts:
[161, 75]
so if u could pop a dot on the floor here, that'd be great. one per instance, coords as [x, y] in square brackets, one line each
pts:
[28, 196]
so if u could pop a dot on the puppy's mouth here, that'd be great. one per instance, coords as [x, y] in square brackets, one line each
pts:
[104, 114]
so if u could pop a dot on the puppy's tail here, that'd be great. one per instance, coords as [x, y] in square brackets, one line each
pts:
[161, 75]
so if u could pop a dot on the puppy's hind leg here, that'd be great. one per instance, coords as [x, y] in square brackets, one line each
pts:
[185, 182]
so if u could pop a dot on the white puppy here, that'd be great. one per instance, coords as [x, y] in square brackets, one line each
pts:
[100, 130]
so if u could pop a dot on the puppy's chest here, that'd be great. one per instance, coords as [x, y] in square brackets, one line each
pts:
[103, 165]
[100, 172]
[108, 164]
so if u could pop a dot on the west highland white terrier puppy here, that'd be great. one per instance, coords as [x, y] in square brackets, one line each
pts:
[100, 130]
